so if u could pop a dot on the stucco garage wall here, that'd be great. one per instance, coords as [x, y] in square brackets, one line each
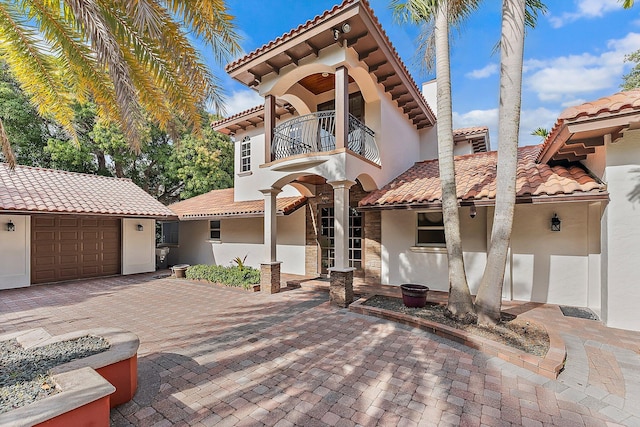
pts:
[244, 236]
[402, 262]
[621, 234]
[138, 247]
[15, 252]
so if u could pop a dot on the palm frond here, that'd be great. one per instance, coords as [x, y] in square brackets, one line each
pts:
[37, 72]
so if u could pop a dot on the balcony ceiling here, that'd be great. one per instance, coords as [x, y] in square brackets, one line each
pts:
[317, 83]
[366, 37]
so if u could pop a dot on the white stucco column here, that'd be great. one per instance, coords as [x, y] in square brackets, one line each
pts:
[342, 107]
[270, 224]
[341, 222]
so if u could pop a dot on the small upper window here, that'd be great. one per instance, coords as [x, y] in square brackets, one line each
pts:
[214, 230]
[430, 229]
[245, 154]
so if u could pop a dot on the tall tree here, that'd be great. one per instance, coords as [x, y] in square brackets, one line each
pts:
[442, 13]
[632, 79]
[125, 56]
[489, 298]
[24, 128]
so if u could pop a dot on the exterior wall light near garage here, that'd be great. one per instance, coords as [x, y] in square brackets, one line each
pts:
[139, 227]
[555, 223]
[11, 226]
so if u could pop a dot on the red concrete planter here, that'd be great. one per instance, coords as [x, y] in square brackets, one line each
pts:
[90, 387]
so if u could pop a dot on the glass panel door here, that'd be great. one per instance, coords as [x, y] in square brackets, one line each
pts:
[327, 239]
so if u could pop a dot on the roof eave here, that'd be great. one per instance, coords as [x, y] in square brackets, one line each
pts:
[541, 199]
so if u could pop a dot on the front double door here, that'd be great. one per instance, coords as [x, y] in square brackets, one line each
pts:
[327, 239]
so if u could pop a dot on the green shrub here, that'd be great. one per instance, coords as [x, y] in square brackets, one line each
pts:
[230, 276]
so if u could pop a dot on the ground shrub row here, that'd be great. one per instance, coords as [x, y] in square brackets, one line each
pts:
[244, 277]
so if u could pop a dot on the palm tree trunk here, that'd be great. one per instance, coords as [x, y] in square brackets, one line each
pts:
[460, 304]
[5, 145]
[489, 298]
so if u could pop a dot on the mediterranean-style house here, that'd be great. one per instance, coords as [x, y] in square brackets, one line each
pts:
[337, 174]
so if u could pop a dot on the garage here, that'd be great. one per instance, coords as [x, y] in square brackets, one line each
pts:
[74, 247]
[57, 226]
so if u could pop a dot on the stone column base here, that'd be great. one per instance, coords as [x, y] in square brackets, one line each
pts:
[270, 277]
[341, 288]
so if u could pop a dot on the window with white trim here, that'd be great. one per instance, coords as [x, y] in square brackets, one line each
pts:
[430, 229]
[214, 230]
[245, 154]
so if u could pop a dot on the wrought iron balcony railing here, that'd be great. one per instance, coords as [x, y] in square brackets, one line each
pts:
[316, 132]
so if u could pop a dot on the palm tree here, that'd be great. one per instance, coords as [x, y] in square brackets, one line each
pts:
[541, 132]
[489, 298]
[441, 13]
[627, 4]
[124, 56]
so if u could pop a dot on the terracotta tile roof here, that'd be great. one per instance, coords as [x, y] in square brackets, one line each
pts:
[226, 120]
[476, 181]
[477, 130]
[320, 18]
[28, 189]
[219, 203]
[289, 35]
[619, 103]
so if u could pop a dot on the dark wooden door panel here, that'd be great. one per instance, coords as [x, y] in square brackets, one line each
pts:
[67, 247]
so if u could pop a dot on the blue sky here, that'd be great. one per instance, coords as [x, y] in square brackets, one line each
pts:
[575, 54]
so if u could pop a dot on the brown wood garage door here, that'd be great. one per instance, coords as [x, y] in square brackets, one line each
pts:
[69, 247]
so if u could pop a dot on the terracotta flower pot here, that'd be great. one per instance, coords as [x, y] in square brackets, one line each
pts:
[414, 295]
[180, 270]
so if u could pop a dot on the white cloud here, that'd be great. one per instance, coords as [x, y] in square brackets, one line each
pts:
[530, 120]
[242, 100]
[562, 79]
[573, 102]
[483, 73]
[585, 9]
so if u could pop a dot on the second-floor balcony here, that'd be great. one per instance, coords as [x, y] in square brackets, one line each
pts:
[316, 132]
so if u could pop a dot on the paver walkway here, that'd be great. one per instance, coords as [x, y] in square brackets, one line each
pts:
[220, 356]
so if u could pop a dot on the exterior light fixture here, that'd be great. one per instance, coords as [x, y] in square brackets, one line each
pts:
[11, 226]
[325, 74]
[472, 211]
[139, 227]
[342, 30]
[555, 223]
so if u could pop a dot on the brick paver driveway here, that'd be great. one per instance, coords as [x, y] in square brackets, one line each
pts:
[218, 356]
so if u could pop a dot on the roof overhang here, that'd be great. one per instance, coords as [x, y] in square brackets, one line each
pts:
[366, 37]
[602, 196]
[574, 139]
[249, 119]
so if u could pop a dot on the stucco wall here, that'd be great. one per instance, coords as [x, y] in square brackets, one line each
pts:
[15, 252]
[402, 262]
[621, 234]
[544, 266]
[138, 247]
[550, 266]
[242, 237]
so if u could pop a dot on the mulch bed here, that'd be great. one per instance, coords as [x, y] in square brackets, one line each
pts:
[511, 331]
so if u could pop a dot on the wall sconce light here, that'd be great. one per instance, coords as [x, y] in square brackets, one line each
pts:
[11, 226]
[139, 227]
[555, 223]
[472, 211]
[324, 198]
[342, 30]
